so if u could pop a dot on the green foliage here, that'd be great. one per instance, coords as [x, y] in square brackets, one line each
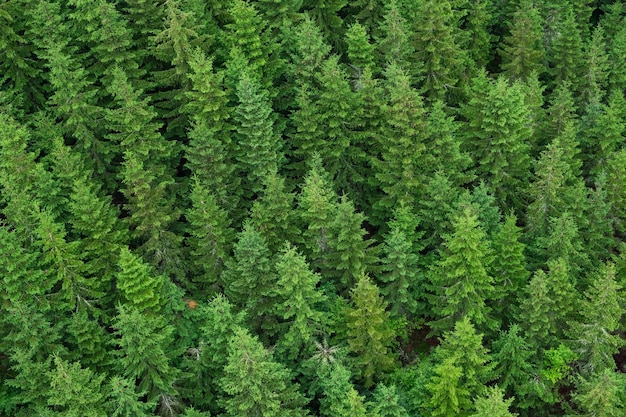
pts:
[593, 338]
[142, 341]
[402, 279]
[460, 280]
[210, 236]
[124, 401]
[464, 347]
[497, 135]
[493, 404]
[509, 267]
[360, 50]
[300, 301]
[398, 170]
[272, 213]
[522, 51]
[601, 396]
[249, 279]
[448, 396]
[258, 146]
[369, 332]
[350, 253]
[254, 383]
[137, 284]
[75, 391]
[436, 50]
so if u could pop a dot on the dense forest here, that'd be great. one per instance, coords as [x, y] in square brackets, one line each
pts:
[366, 208]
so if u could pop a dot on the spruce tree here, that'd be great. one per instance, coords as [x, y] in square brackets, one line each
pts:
[602, 395]
[317, 209]
[210, 237]
[393, 45]
[448, 396]
[136, 283]
[460, 280]
[255, 384]
[360, 50]
[369, 333]
[76, 392]
[142, 357]
[250, 280]
[272, 213]
[401, 144]
[124, 401]
[146, 176]
[350, 254]
[513, 364]
[300, 302]
[566, 51]
[497, 136]
[593, 337]
[522, 51]
[437, 50]
[493, 404]
[509, 268]
[465, 347]
[258, 146]
[387, 402]
[400, 274]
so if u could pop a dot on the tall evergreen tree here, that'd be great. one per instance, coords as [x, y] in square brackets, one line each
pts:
[508, 268]
[258, 145]
[75, 391]
[522, 51]
[398, 170]
[350, 254]
[493, 404]
[369, 332]
[437, 48]
[146, 176]
[210, 237]
[138, 286]
[299, 302]
[142, 342]
[249, 279]
[460, 281]
[497, 135]
[594, 338]
[255, 384]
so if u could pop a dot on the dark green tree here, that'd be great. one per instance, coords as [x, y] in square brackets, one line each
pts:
[593, 336]
[255, 384]
[250, 280]
[497, 135]
[448, 396]
[258, 148]
[299, 304]
[124, 401]
[273, 215]
[522, 51]
[210, 152]
[369, 332]
[509, 268]
[401, 144]
[210, 237]
[136, 283]
[437, 49]
[350, 253]
[460, 281]
[142, 357]
[601, 396]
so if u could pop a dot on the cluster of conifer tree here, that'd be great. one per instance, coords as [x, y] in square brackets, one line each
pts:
[380, 208]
